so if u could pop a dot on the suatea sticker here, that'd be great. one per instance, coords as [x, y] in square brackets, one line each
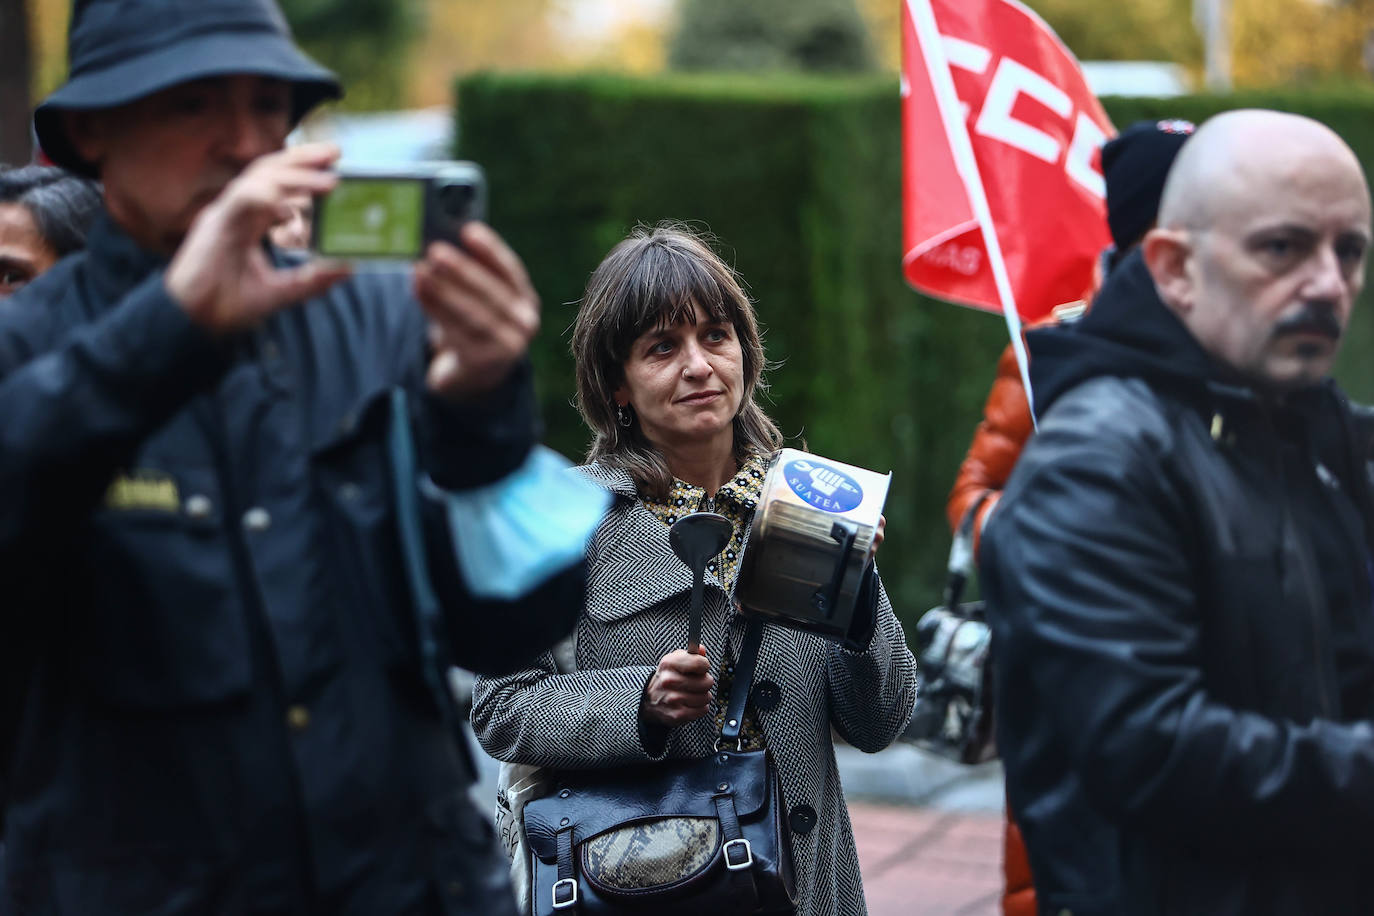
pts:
[822, 486]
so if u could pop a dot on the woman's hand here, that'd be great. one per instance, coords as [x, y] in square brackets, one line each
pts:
[877, 538]
[680, 690]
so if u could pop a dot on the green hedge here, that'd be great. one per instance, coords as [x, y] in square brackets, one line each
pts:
[800, 180]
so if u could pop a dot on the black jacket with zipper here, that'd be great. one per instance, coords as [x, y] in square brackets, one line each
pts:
[1182, 649]
[213, 688]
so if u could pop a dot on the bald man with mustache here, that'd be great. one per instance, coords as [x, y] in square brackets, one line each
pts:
[1179, 576]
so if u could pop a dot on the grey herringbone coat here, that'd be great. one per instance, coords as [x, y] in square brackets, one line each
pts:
[637, 607]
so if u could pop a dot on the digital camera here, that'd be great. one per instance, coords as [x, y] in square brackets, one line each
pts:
[392, 213]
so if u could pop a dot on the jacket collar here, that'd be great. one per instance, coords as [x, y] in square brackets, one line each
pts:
[634, 567]
[115, 262]
[613, 479]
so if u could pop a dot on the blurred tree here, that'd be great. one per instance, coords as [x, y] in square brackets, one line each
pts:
[15, 72]
[366, 42]
[814, 35]
[1126, 29]
[1278, 42]
[1274, 42]
[465, 35]
[884, 18]
[634, 47]
[48, 31]
[631, 39]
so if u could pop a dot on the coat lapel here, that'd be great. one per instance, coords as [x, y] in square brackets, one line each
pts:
[634, 567]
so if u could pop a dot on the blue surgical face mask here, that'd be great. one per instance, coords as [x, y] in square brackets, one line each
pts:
[512, 535]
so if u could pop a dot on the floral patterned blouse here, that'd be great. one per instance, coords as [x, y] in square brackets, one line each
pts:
[736, 499]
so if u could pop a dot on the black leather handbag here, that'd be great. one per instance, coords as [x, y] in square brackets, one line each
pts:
[684, 837]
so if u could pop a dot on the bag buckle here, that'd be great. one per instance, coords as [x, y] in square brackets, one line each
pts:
[739, 855]
[565, 892]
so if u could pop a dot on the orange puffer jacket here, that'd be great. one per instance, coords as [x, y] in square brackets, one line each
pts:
[997, 443]
[998, 440]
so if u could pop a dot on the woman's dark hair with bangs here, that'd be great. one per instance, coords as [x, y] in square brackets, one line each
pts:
[651, 280]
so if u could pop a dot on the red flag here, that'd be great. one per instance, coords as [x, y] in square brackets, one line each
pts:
[998, 126]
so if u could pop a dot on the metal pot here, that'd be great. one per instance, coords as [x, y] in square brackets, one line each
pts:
[809, 543]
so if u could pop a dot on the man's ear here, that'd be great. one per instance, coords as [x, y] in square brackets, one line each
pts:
[86, 130]
[1168, 254]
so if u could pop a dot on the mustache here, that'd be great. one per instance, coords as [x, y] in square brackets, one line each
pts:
[1311, 319]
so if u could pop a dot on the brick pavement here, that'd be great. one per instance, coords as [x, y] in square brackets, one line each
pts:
[928, 862]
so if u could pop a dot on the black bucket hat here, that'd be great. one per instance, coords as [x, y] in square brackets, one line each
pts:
[123, 50]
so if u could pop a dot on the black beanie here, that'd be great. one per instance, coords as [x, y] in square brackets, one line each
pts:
[1135, 164]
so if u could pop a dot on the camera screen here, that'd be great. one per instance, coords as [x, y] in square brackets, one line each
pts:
[373, 217]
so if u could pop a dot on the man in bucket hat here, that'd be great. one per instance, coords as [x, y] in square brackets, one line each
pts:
[213, 694]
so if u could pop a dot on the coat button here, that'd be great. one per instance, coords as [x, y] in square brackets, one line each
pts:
[198, 505]
[257, 519]
[766, 696]
[298, 718]
[803, 819]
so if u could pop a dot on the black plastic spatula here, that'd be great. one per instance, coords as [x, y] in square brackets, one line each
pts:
[696, 538]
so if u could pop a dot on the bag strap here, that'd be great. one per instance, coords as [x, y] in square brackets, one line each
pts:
[743, 679]
[738, 854]
[429, 619]
[565, 888]
[960, 565]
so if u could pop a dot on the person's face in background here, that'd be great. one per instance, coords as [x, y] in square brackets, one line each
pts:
[164, 157]
[294, 231]
[24, 253]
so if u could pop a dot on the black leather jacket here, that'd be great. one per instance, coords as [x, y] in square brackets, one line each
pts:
[1169, 703]
[211, 651]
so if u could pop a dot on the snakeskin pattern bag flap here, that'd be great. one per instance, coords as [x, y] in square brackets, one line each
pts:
[651, 855]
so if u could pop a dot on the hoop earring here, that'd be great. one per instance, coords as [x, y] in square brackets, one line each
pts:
[623, 416]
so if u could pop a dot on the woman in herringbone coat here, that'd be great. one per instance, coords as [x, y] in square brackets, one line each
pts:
[669, 361]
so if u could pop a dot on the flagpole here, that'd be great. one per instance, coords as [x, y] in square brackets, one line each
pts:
[933, 53]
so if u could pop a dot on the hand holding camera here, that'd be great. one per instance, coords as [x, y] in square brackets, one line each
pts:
[483, 311]
[482, 308]
[221, 275]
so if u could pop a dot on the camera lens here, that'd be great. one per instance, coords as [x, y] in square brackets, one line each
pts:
[456, 199]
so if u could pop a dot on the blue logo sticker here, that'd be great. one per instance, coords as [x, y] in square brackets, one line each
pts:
[823, 487]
